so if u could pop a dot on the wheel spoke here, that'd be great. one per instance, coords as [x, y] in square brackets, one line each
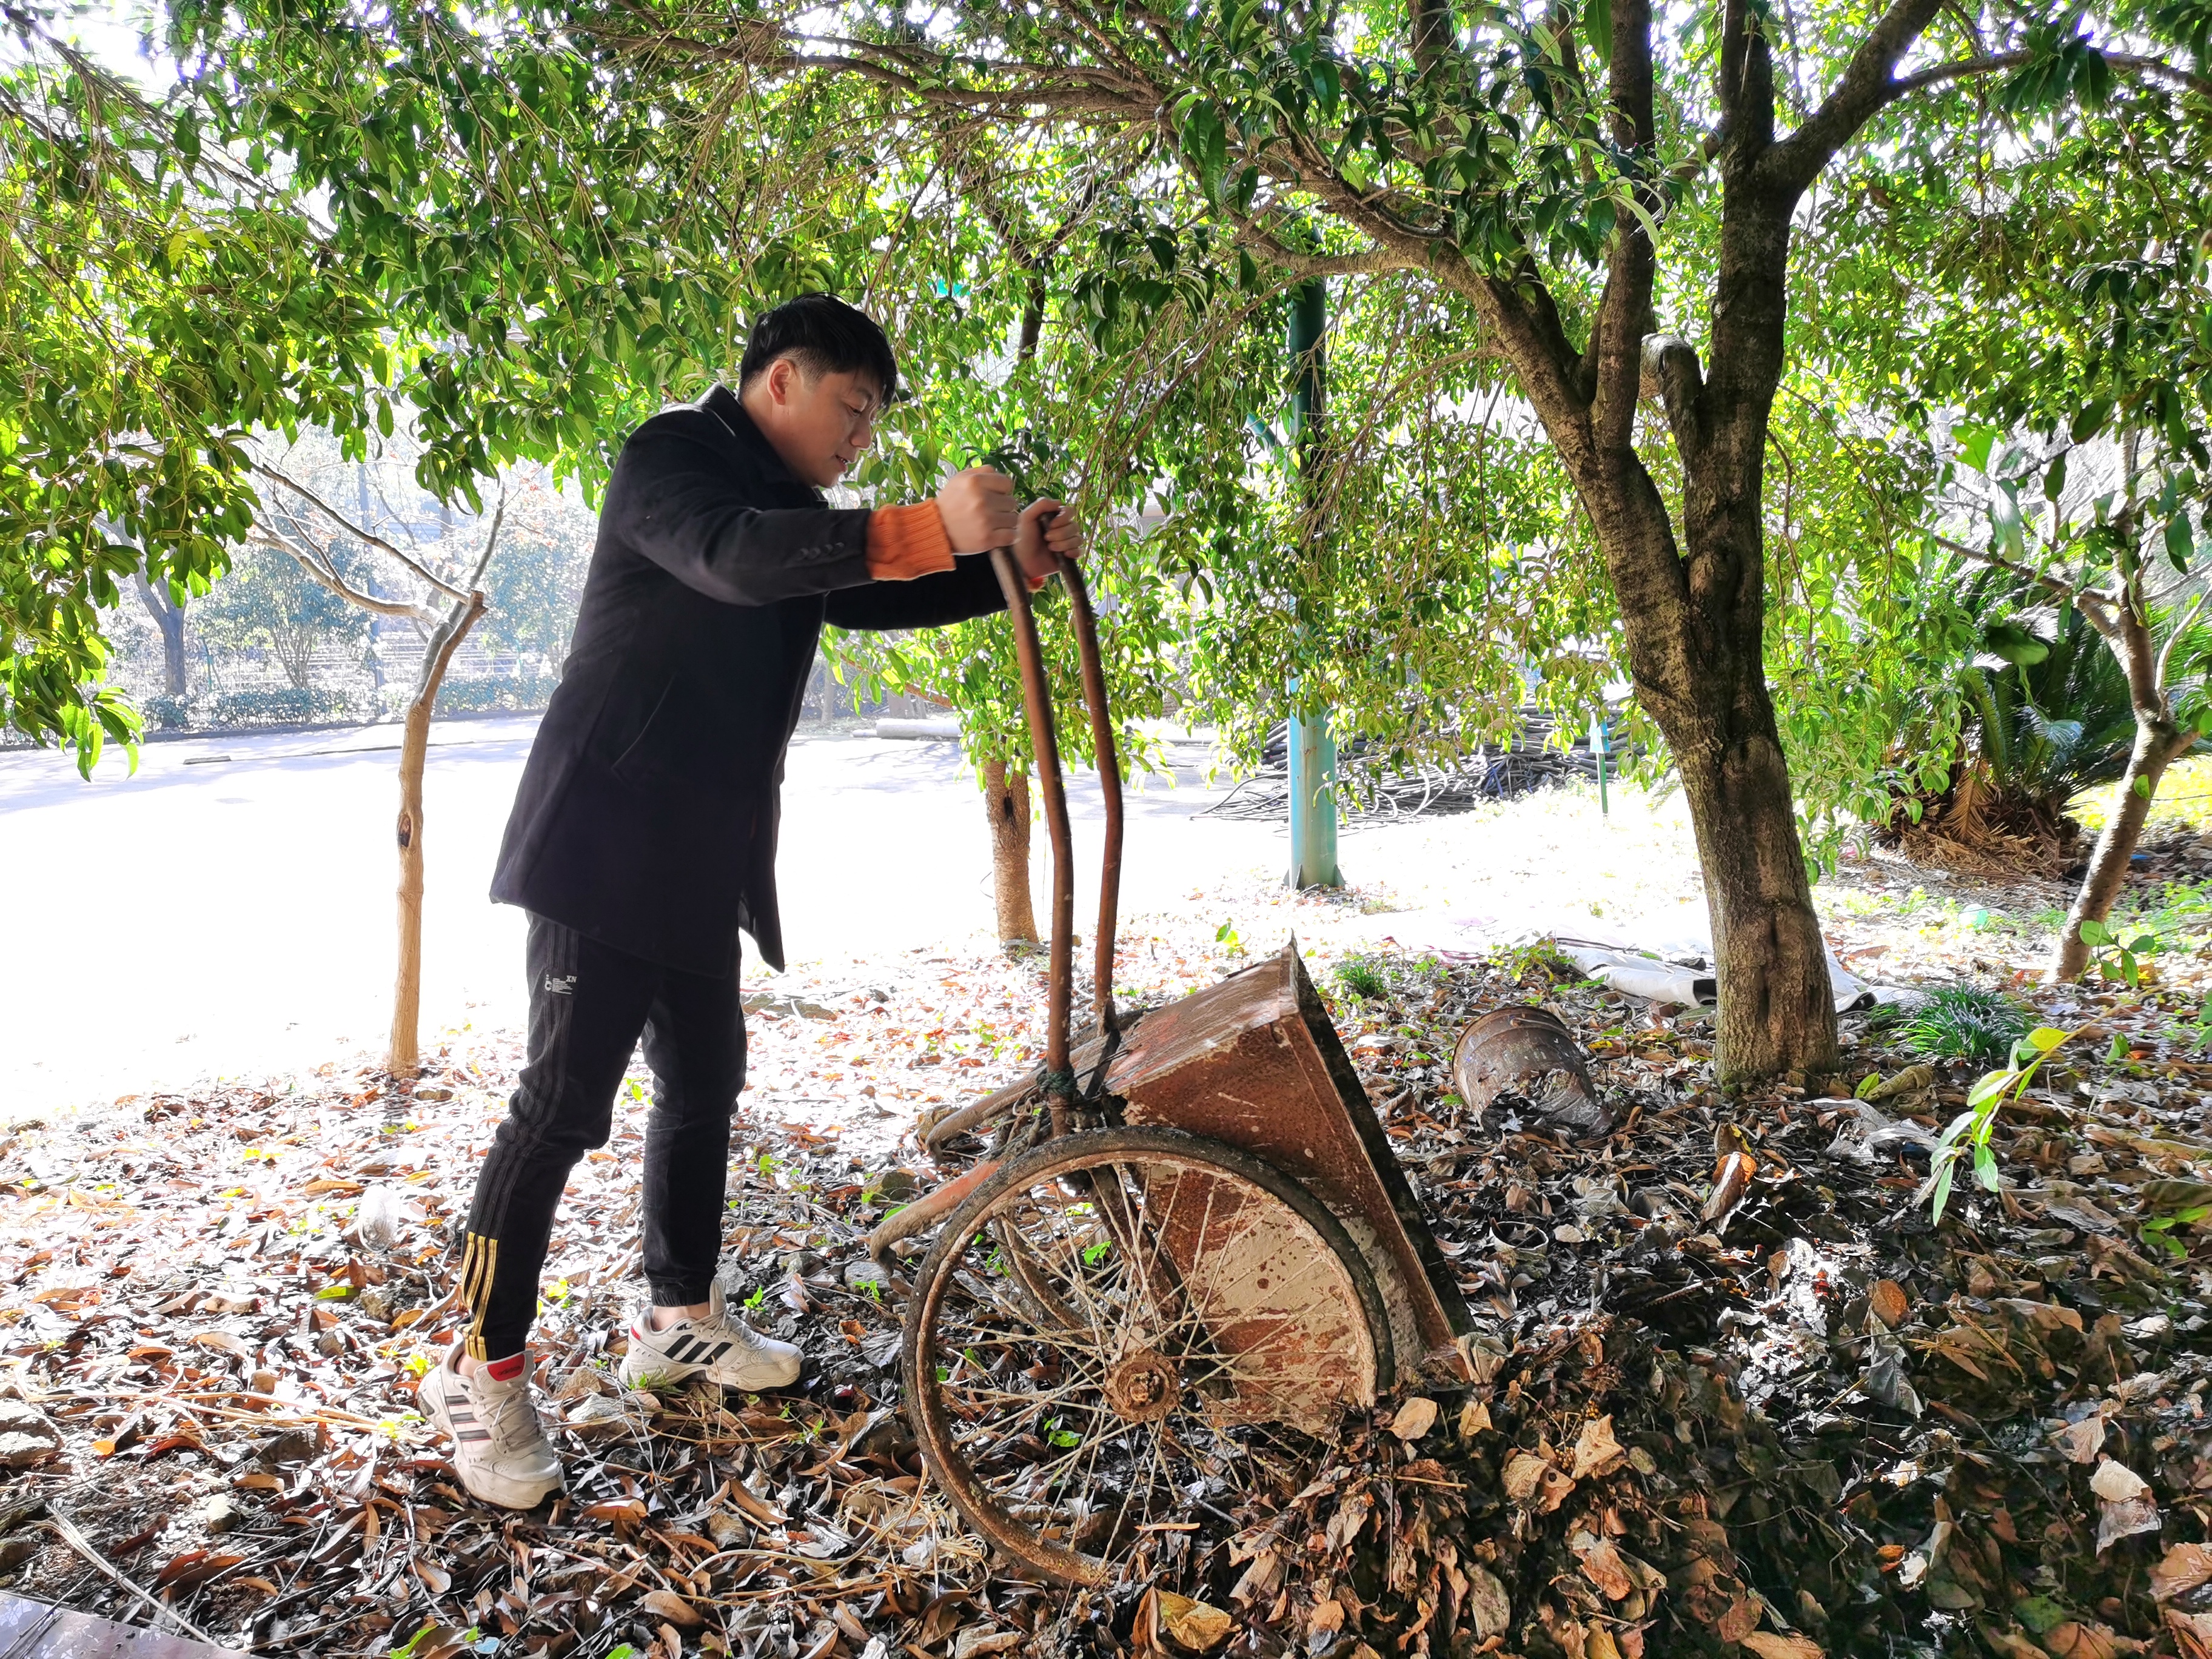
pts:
[1077, 1294]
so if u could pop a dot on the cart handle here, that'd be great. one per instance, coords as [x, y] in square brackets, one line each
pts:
[1109, 789]
[1036, 702]
[1044, 739]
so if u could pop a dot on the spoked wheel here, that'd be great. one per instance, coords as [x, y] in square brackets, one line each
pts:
[1128, 1342]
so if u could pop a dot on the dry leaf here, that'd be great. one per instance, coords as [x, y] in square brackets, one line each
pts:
[222, 1342]
[1473, 1419]
[2082, 1441]
[1768, 1645]
[667, 1604]
[2181, 1569]
[2116, 1483]
[1887, 1302]
[1523, 1473]
[2192, 1632]
[1197, 1626]
[1602, 1564]
[2083, 1640]
[1597, 1453]
[1414, 1418]
[2124, 1520]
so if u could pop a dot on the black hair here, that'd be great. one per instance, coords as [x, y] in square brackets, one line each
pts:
[826, 335]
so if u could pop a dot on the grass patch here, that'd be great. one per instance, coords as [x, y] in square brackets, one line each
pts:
[1957, 1022]
[1362, 976]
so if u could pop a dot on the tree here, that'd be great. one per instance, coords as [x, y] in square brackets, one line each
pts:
[2056, 275]
[157, 301]
[1539, 172]
[268, 602]
[1556, 183]
[167, 610]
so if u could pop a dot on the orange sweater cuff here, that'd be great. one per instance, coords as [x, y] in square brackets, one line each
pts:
[906, 542]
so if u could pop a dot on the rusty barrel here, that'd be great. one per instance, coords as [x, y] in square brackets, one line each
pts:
[1528, 1053]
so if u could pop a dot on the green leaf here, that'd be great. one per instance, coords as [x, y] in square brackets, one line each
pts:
[1974, 443]
[1942, 1193]
[1597, 29]
[2180, 542]
[1991, 1086]
[2090, 421]
[2044, 1038]
[2094, 932]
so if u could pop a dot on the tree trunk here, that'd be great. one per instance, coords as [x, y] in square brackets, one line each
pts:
[414, 751]
[2158, 743]
[1007, 799]
[169, 617]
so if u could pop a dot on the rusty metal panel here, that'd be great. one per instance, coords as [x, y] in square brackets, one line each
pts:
[1255, 1062]
[33, 1630]
[1299, 1349]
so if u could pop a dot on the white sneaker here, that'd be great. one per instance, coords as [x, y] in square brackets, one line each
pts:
[499, 1449]
[728, 1350]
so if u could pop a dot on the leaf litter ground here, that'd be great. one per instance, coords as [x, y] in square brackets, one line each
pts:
[1780, 1416]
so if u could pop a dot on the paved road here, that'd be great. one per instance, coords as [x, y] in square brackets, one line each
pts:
[228, 909]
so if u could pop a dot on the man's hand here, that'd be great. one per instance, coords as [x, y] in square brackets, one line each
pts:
[977, 507]
[1048, 528]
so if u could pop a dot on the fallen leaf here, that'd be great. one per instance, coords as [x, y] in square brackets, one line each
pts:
[2116, 1483]
[222, 1342]
[2181, 1569]
[2124, 1519]
[1414, 1418]
[2082, 1441]
[1769, 1645]
[2083, 1640]
[1602, 1564]
[1195, 1625]
[667, 1604]
[1597, 1453]
[1887, 1302]
[1473, 1419]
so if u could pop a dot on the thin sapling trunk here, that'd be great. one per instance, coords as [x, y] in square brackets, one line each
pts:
[445, 640]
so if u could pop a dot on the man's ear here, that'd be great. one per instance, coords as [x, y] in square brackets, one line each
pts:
[780, 373]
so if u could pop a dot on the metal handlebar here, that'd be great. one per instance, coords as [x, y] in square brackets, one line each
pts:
[1044, 740]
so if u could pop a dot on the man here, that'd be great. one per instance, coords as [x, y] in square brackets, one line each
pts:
[643, 835]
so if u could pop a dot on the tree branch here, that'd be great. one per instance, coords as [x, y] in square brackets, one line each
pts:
[1865, 85]
[330, 577]
[368, 538]
[2166, 651]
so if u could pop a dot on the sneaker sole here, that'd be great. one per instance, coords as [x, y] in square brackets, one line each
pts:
[675, 1371]
[434, 1412]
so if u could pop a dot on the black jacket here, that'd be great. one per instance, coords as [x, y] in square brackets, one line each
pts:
[647, 817]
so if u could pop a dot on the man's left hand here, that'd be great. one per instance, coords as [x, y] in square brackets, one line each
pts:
[1046, 533]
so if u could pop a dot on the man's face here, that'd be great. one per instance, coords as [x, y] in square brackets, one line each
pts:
[818, 424]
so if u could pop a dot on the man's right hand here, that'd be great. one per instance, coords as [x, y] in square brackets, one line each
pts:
[979, 510]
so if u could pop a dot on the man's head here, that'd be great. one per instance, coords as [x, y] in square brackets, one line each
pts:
[816, 374]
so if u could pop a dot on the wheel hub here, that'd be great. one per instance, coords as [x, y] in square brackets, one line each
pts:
[1144, 1386]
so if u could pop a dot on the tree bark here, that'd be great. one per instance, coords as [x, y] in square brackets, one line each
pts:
[1007, 799]
[169, 617]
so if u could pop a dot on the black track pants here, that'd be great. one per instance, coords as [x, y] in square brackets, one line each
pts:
[588, 1005]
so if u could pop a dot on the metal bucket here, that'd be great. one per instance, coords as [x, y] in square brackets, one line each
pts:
[1529, 1053]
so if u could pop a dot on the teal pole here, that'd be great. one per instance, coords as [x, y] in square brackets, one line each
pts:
[1312, 748]
[1597, 749]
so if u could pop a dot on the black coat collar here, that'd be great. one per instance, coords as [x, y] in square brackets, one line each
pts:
[724, 405]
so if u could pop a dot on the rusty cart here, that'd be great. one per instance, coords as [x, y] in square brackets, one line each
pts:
[1185, 1254]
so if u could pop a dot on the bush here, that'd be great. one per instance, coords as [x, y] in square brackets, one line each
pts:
[286, 705]
[166, 713]
[1958, 1022]
[519, 692]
